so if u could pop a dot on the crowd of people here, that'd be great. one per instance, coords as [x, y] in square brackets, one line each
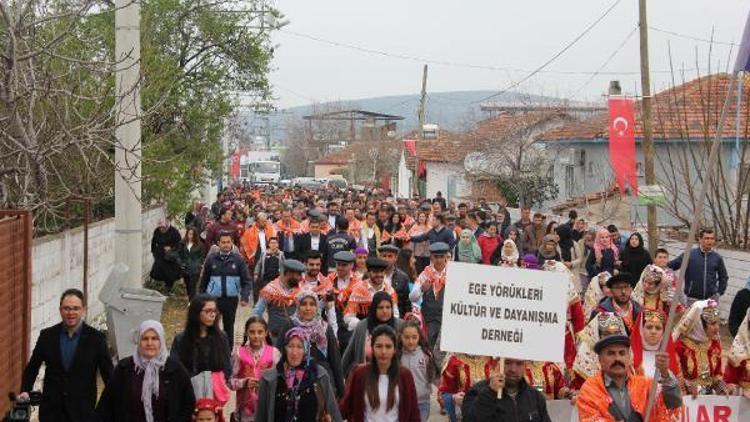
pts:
[347, 288]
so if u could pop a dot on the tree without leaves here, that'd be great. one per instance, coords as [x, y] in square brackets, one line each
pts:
[57, 93]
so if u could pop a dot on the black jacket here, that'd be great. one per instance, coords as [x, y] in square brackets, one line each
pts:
[737, 312]
[75, 389]
[166, 264]
[400, 282]
[338, 242]
[302, 247]
[192, 259]
[113, 405]
[481, 404]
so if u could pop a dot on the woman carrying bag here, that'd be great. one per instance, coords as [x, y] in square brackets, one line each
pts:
[203, 349]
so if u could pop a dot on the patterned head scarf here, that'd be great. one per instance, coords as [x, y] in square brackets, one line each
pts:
[599, 245]
[691, 325]
[513, 257]
[150, 367]
[740, 349]
[314, 329]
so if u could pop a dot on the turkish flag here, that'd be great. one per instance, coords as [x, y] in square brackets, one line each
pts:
[622, 142]
[234, 171]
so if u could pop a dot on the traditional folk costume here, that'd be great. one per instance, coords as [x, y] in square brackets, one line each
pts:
[586, 363]
[700, 356]
[547, 378]
[248, 363]
[341, 290]
[595, 292]
[361, 298]
[432, 299]
[279, 300]
[737, 371]
[662, 295]
[575, 317]
[594, 401]
[460, 371]
[644, 354]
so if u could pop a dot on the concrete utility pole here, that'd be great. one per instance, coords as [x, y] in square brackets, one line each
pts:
[648, 142]
[128, 229]
[420, 130]
[422, 98]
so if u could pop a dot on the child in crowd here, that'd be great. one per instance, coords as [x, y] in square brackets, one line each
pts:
[415, 355]
[207, 410]
[249, 360]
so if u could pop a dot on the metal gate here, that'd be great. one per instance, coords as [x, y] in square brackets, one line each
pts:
[15, 295]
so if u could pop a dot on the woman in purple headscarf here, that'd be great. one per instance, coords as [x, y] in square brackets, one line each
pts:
[297, 389]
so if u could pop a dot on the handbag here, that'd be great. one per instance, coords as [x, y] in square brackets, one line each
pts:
[221, 391]
[211, 385]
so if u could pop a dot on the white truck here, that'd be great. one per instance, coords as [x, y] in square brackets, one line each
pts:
[260, 167]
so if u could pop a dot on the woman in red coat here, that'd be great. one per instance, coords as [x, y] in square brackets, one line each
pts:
[371, 387]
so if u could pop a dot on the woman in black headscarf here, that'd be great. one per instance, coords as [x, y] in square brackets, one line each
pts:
[380, 312]
[634, 257]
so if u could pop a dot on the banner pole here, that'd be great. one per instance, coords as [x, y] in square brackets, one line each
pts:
[501, 368]
[697, 221]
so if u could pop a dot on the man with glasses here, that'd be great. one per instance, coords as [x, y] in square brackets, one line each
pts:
[621, 302]
[72, 352]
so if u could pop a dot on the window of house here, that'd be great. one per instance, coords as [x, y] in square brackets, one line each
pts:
[639, 171]
[590, 169]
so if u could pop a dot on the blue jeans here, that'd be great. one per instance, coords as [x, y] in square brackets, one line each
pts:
[450, 407]
[424, 410]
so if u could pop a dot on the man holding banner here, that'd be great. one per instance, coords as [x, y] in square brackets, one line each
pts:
[614, 394]
[518, 401]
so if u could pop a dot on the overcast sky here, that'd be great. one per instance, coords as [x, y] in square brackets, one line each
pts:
[510, 34]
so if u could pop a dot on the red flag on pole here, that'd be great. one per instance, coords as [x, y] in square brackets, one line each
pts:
[234, 171]
[622, 142]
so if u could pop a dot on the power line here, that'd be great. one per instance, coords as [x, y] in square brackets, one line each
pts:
[693, 38]
[606, 62]
[419, 59]
[556, 55]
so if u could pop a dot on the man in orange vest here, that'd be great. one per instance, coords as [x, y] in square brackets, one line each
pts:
[614, 394]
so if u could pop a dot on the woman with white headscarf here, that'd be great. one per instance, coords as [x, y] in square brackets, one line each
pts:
[148, 386]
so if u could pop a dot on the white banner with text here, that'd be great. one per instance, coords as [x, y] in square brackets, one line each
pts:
[504, 312]
[702, 409]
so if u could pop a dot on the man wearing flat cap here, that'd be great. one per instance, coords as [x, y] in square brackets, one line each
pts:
[429, 288]
[396, 278]
[338, 288]
[362, 293]
[615, 394]
[621, 302]
[278, 297]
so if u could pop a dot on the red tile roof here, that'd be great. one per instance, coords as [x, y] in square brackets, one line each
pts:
[687, 111]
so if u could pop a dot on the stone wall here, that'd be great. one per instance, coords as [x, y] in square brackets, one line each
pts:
[57, 264]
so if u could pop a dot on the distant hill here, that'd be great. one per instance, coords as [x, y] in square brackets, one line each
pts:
[450, 110]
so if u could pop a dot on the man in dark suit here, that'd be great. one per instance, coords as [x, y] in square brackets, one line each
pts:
[398, 279]
[313, 240]
[72, 352]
